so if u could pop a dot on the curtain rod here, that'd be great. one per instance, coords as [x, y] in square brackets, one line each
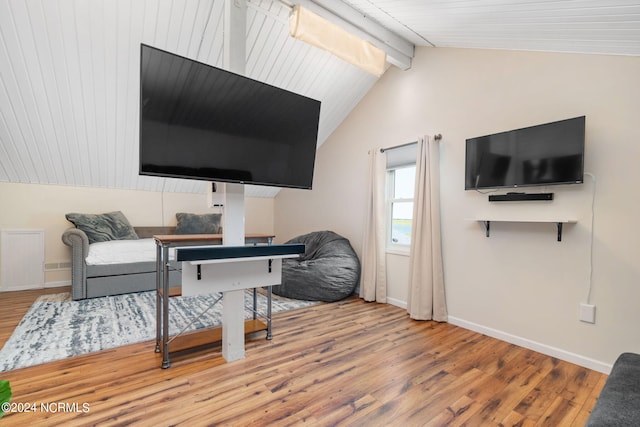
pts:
[437, 137]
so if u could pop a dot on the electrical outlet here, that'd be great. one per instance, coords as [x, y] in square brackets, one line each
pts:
[215, 197]
[588, 313]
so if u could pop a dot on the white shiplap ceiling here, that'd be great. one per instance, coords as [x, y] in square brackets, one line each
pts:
[69, 70]
[581, 26]
[69, 82]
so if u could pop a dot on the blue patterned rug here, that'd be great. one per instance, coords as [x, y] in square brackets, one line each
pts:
[55, 327]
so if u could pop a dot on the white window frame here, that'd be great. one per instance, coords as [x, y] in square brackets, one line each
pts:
[390, 199]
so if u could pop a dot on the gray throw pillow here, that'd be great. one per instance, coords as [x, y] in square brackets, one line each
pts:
[189, 223]
[103, 227]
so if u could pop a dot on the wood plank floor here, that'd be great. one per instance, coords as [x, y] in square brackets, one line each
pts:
[346, 363]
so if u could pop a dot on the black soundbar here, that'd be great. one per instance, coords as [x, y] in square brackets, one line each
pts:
[516, 197]
[223, 252]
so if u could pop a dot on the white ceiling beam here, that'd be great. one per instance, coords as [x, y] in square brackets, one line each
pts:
[399, 51]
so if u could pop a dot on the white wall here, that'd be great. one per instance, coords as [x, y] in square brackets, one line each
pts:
[520, 284]
[31, 206]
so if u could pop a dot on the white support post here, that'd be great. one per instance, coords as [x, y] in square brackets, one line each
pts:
[233, 216]
[233, 301]
[233, 325]
[234, 60]
[235, 39]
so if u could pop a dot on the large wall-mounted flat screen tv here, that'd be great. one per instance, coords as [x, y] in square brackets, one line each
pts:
[546, 154]
[202, 122]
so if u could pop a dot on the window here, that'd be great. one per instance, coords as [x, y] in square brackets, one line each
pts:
[400, 192]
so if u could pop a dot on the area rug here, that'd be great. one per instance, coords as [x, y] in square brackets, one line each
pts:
[55, 327]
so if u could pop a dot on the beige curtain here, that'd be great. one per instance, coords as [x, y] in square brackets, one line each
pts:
[426, 299]
[373, 279]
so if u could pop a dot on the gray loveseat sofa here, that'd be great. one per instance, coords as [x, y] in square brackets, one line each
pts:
[122, 275]
[90, 281]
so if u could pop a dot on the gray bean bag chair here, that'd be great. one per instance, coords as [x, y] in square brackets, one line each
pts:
[329, 269]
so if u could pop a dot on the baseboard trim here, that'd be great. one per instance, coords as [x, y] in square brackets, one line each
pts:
[46, 285]
[397, 302]
[57, 284]
[533, 345]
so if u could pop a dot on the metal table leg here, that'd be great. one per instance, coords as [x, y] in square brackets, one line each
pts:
[158, 299]
[165, 307]
[269, 295]
[255, 303]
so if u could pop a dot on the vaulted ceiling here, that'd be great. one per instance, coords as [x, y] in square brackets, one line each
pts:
[69, 70]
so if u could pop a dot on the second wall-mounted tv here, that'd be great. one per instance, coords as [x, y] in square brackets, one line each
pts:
[202, 122]
[546, 154]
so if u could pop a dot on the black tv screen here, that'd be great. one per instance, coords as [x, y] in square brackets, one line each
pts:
[551, 153]
[202, 122]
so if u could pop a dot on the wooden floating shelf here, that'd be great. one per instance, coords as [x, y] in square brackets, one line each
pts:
[558, 222]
